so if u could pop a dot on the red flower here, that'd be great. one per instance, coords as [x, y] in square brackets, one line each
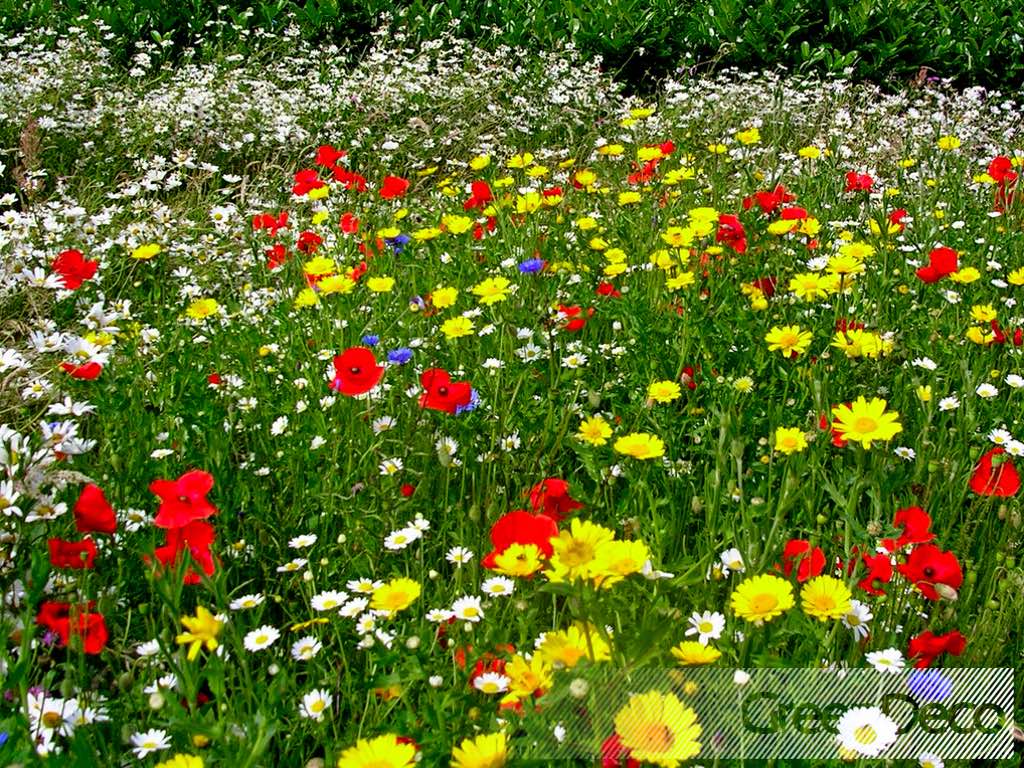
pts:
[93, 513]
[928, 646]
[941, 262]
[480, 196]
[766, 285]
[916, 525]
[183, 500]
[928, 566]
[441, 393]
[349, 179]
[349, 223]
[66, 622]
[768, 202]
[393, 186]
[574, 318]
[73, 268]
[276, 256]
[305, 180]
[213, 379]
[407, 490]
[1000, 169]
[689, 378]
[309, 242]
[270, 223]
[520, 527]
[879, 573]
[356, 371]
[328, 156]
[615, 754]
[608, 289]
[897, 216]
[858, 182]
[86, 372]
[731, 232]
[551, 497]
[807, 561]
[995, 476]
[194, 538]
[72, 554]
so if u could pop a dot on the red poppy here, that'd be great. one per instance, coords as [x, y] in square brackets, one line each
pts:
[440, 393]
[520, 527]
[1001, 170]
[309, 242]
[551, 497]
[766, 285]
[66, 622]
[858, 182]
[837, 437]
[928, 646]
[93, 513]
[769, 202]
[615, 754]
[897, 216]
[349, 223]
[916, 525]
[844, 324]
[731, 232]
[479, 197]
[306, 180]
[689, 378]
[393, 186]
[809, 562]
[270, 222]
[86, 372]
[407, 490]
[609, 290]
[276, 256]
[574, 317]
[480, 229]
[349, 179]
[328, 156]
[645, 173]
[356, 371]
[72, 554]
[879, 573]
[995, 475]
[928, 566]
[941, 262]
[183, 500]
[73, 268]
[793, 213]
[195, 538]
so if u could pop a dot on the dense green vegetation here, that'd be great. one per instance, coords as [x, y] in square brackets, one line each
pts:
[975, 42]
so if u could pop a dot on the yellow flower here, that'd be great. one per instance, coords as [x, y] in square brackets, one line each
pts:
[611, 149]
[457, 327]
[678, 237]
[640, 445]
[1016, 277]
[594, 431]
[859, 251]
[614, 560]
[336, 284]
[743, 384]
[585, 178]
[965, 275]
[983, 313]
[749, 136]
[864, 422]
[427, 233]
[319, 266]
[691, 653]
[203, 629]
[949, 143]
[146, 251]
[520, 161]
[679, 280]
[526, 677]
[628, 198]
[789, 340]
[382, 284]
[585, 223]
[924, 393]
[574, 551]
[825, 597]
[519, 560]
[307, 297]
[396, 595]
[789, 440]
[182, 761]
[565, 648]
[646, 154]
[489, 750]
[762, 598]
[717, 149]
[202, 308]
[980, 335]
[664, 391]
[456, 225]
[529, 203]
[443, 296]
[810, 285]
[492, 290]
[480, 162]
[598, 243]
[380, 752]
[809, 153]
[678, 175]
[537, 171]
[656, 728]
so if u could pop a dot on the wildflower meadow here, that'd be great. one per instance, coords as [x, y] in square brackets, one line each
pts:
[355, 411]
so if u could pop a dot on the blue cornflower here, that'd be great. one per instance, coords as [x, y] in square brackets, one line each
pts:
[397, 243]
[474, 401]
[371, 340]
[531, 266]
[400, 356]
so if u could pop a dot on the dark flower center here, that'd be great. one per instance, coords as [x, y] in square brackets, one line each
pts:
[355, 369]
[442, 391]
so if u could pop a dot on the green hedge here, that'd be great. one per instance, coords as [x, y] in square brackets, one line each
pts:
[975, 42]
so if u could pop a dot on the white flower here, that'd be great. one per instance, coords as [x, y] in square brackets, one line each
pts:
[354, 607]
[492, 364]
[857, 618]
[382, 424]
[732, 560]
[148, 742]
[575, 360]
[305, 648]
[1014, 380]
[491, 682]
[905, 453]
[707, 625]
[890, 660]
[261, 638]
[314, 704]
[1000, 436]
[929, 760]
[1015, 448]
[279, 426]
[498, 586]
[245, 602]
[303, 541]
[317, 442]
[148, 648]
[438, 615]
[390, 467]
[510, 442]
[866, 731]
[402, 538]
[986, 390]
[924, 362]
[421, 523]
[328, 601]
[467, 608]
[363, 586]
[459, 555]
[950, 403]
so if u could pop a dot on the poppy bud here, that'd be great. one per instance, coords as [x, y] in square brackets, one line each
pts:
[947, 592]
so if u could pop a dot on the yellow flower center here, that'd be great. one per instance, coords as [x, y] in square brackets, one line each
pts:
[865, 425]
[764, 603]
[865, 735]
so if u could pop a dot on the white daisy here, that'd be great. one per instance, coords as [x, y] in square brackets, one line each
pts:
[293, 565]
[732, 560]
[890, 660]
[986, 390]
[328, 601]
[245, 602]
[390, 467]
[866, 731]
[491, 682]
[148, 742]
[261, 638]
[303, 541]
[707, 626]
[354, 607]
[929, 760]
[857, 618]
[498, 586]
[315, 704]
[467, 608]
[950, 403]
[305, 648]
[459, 555]
[400, 539]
